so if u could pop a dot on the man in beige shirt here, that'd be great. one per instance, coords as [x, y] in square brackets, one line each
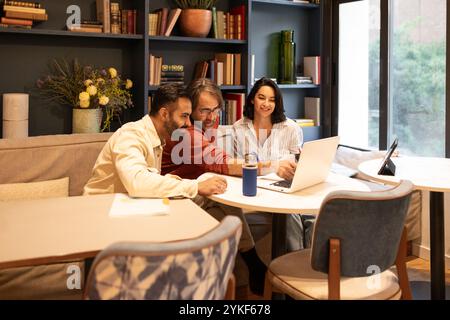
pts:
[130, 162]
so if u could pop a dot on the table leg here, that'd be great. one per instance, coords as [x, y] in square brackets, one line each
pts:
[437, 246]
[278, 235]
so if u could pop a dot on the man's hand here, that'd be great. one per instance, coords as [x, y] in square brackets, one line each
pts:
[286, 169]
[214, 185]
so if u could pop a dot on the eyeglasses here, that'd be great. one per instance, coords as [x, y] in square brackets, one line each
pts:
[207, 112]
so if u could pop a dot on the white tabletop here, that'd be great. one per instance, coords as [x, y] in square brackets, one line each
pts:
[432, 174]
[46, 230]
[304, 201]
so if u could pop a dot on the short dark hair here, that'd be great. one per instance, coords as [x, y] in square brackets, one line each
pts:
[197, 86]
[278, 113]
[167, 94]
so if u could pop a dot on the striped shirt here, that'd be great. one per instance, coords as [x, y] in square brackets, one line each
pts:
[285, 138]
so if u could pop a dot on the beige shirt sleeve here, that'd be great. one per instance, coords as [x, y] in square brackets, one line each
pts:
[135, 163]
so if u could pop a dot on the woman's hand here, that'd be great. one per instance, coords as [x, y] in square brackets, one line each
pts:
[286, 169]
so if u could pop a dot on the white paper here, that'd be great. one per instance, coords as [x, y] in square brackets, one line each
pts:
[125, 206]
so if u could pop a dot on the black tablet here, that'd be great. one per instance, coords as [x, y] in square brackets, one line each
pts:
[387, 157]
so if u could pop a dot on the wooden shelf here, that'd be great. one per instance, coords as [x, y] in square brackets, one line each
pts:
[298, 86]
[198, 40]
[288, 3]
[45, 32]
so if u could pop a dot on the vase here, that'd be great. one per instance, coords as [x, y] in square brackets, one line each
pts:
[195, 22]
[287, 58]
[86, 120]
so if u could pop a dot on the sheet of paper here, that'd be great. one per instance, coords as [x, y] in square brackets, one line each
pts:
[125, 206]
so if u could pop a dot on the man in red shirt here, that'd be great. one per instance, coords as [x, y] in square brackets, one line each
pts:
[198, 153]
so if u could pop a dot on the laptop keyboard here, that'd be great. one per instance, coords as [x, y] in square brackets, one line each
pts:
[283, 184]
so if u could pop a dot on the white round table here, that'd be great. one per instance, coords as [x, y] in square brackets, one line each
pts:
[307, 200]
[429, 174]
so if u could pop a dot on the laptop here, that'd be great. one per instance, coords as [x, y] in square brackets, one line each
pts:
[313, 167]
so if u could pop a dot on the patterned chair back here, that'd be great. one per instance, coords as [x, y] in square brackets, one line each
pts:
[197, 269]
[369, 226]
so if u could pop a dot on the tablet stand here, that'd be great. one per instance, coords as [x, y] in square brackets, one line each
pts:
[388, 169]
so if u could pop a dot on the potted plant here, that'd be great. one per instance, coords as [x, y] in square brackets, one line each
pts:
[196, 17]
[93, 94]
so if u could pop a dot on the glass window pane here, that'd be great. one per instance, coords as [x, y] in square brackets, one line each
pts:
[359, 69]
[417, 76]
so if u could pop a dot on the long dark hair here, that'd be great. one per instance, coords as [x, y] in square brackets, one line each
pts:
[278, 113]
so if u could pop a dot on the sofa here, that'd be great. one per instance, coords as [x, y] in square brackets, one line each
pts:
[39, 159]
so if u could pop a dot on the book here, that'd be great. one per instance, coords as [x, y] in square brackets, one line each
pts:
[172, 67]
[152, 24]
[214, 23]
[115, 18]
[26, 15]
[312, 109]
[239, 99]
[3, 25]
[27, 4]
[220, 25]
[104, 14]
[174, 74]
[240, 12]
[24, 9]
[85, 29]
[237, 69]
[16, 21]
[124, 22]
[171, 20]
[312, 68]
[164, 14]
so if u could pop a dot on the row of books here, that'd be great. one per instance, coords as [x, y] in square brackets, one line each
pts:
[162, 21]
[21, 14]
[229, 25]
[233, 108]
[113, 19]
[224, 69]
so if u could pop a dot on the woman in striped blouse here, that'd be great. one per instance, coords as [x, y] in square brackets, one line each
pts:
[267, 132]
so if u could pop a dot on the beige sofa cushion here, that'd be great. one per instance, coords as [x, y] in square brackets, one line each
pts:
[35, 190]
[51, 157]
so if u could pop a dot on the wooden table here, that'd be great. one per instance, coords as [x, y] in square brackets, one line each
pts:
[429, 174]
[307, 200]
[49, 230]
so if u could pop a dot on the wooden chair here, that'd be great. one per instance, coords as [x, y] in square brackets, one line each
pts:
[358, 237]
[197, 269]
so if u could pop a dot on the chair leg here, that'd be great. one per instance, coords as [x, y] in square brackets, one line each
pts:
[230, 294]
[267, 288]
[334, 270]
[400, 263]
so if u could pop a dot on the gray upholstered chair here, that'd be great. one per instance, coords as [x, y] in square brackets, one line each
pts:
[358, 237]
[196, 269]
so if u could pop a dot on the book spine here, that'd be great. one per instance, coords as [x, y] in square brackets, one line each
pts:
[134, 31]
[115, 18]
[214, 17]
[124, 21]
[25, 4]
[25, 15]
[130, 19]
[17, 21]
[23, 9]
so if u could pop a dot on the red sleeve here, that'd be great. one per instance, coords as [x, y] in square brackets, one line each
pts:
[205, 152]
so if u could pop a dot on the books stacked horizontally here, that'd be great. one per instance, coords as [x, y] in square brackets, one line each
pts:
[305, 122]
[304, 80]
[162, 21]
[173, 73]
[86, 26]
[21, 14]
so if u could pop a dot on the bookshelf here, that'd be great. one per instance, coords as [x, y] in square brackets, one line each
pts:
[26, 54]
